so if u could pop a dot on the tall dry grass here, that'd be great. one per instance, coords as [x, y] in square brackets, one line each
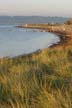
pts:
[38, 81]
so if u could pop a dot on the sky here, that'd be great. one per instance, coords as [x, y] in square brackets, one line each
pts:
[36, 8]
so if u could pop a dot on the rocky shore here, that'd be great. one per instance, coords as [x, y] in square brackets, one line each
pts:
[64, 31]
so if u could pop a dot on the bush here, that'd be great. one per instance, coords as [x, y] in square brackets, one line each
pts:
[69, 22]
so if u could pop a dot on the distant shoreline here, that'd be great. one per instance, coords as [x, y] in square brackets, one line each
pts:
[58, 30]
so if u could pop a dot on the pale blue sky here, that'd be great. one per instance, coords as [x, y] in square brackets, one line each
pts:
[36, 7]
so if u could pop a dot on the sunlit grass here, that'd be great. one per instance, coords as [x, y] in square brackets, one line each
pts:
[38, 81]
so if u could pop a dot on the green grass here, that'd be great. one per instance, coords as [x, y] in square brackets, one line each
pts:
[38, 81]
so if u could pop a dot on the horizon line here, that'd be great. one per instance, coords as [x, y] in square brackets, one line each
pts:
[36, 16]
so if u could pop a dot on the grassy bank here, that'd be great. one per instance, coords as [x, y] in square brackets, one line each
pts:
[39, 80]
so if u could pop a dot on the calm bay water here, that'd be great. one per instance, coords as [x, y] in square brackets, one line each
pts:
[17, 41]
